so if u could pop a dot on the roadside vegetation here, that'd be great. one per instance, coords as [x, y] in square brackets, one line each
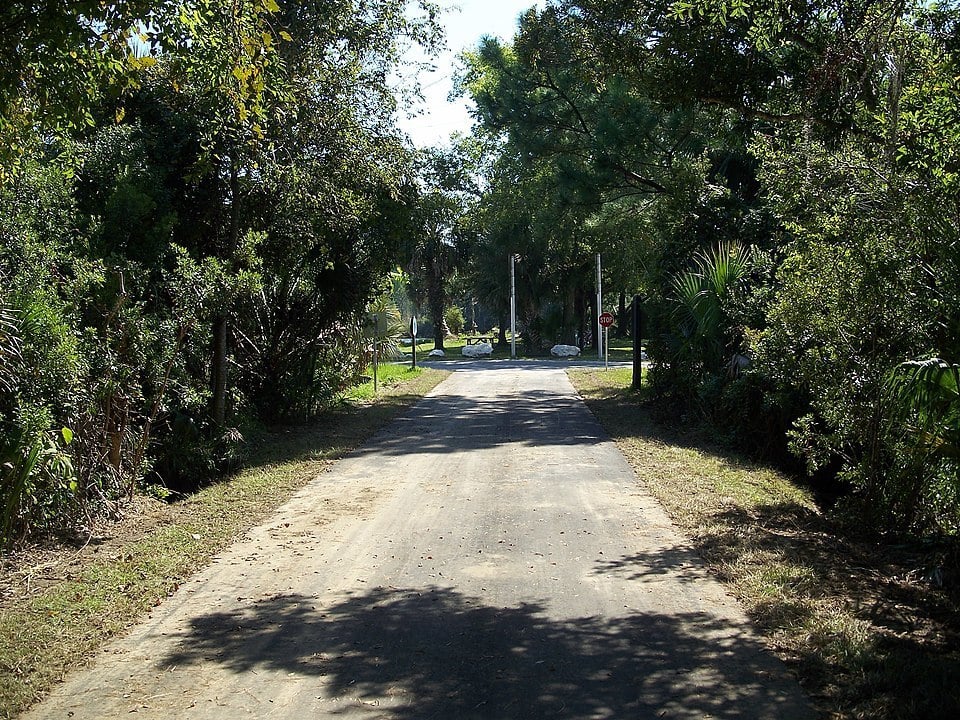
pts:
[61, 601]
[867, 623]
[778, 183]
[209, 218]
[196, 240]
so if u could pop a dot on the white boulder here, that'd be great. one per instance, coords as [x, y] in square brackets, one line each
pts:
[565, 351]
[477, 351]
[436, 353]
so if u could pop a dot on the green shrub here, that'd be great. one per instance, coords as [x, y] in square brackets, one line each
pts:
[454, 320]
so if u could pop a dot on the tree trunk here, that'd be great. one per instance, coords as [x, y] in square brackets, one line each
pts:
[435, 301]
[218, 363]
[592, 323]
[581, 313]
[218, 371]
[568, 332]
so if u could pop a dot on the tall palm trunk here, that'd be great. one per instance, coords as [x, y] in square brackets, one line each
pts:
[436, 301]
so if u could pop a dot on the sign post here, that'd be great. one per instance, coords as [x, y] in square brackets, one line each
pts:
[413, 338]
[605, 320]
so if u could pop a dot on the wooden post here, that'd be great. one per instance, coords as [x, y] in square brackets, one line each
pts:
[637, 333]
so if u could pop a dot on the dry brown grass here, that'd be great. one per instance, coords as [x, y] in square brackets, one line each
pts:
[858, 621]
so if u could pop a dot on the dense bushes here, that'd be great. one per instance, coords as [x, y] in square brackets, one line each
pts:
[195, 256]
[785, 183]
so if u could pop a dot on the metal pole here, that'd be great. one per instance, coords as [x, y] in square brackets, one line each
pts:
[599, 310]
[513, 309]
[375, 391]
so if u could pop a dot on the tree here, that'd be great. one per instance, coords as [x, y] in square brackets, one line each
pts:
[57, 57]
[335, 203]
[248, 173]
[442, 229]
[817, 137]
[595, 141]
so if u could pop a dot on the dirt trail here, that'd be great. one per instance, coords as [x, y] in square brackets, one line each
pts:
[490, 555]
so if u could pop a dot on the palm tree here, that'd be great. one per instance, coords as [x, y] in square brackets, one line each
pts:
[384, 326]
[432, 267]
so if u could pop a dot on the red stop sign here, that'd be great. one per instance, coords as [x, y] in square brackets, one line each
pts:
[606, 319]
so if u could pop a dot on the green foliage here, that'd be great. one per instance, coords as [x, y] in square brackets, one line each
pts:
[441, 230]
[384, 325]
[57, 59]
[925, 423]
[37, 482]
[854, 299]
[190, 239]
[9, 345]
[818, 136]
[702, 293]
[199, 228]
[453, 317]
[40, 353]
[929, 390]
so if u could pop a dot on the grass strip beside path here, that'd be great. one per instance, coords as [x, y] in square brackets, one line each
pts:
[63, 610]
[865, 631]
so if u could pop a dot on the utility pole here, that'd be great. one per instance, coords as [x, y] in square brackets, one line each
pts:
[599, 311]
[513, 308]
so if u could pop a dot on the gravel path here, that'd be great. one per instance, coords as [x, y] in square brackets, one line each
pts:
[489, 556]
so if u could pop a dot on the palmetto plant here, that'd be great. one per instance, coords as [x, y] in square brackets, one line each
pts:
[700, 294]
[928, 394]
[384, 325]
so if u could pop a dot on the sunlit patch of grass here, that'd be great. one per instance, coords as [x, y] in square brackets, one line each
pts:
[777, 579]
[388, 375]
[841, 639]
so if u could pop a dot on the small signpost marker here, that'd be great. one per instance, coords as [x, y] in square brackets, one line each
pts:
[606, 320]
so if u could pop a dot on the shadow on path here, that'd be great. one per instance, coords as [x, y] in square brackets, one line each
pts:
[436, 653]
[452, 423]
[678, 562]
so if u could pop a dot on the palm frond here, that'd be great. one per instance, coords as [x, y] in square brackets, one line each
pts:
[928, 395]
[9, 345]
[385, 325]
